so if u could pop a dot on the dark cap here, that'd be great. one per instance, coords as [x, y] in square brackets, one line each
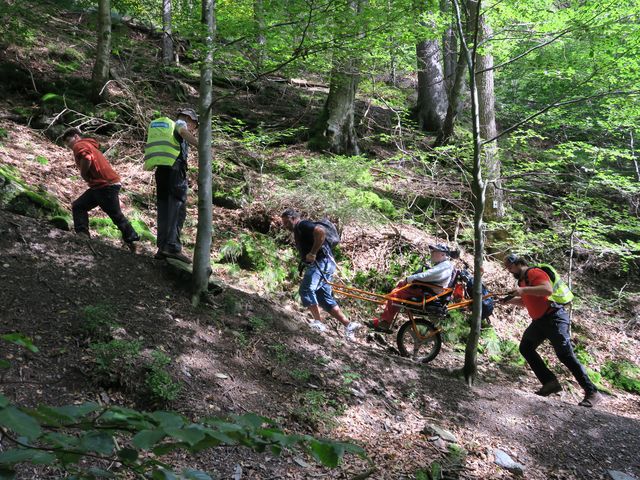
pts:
[189, 112]
[440, 247]
[290, 213]
[511, 259]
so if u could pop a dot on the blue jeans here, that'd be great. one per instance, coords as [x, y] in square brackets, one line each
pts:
[554, 327]
[314, 289]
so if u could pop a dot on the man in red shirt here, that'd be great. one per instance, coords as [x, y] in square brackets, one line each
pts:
[550, 322]
[104, 187]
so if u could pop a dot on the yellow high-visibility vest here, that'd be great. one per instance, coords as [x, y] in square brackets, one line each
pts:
[162, 148]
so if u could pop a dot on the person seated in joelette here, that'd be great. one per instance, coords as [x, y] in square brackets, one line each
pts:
[439, 276]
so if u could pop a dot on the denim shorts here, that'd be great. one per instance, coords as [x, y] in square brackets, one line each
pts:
[314, 289]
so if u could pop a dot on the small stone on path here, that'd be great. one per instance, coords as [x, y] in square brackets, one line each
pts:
[616, 475]
[505, 461]
[430, 428]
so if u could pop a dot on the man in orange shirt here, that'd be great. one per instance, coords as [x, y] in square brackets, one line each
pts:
[550, 322]
[104, 187]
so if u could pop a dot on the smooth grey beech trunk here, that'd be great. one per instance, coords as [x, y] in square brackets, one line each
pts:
[432, 94]
[488, 128]
[167, 39]
[455, 101]
[202, 253]
[100, 74]
[335, 130]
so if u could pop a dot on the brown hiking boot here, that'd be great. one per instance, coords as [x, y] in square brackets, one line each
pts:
[159, 255]
[591, 399]
[177, 255]
[549, 388]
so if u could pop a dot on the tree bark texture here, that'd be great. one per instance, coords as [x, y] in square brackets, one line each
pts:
[488, 128]
[335, 130]
[167, 39]
[432, 95]
[455, 101]
[202, 253]
[100, 74]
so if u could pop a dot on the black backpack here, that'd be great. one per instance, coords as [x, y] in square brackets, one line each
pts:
[332, 237]
[487, 303]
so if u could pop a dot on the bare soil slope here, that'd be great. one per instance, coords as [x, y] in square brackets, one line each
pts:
[362, 391]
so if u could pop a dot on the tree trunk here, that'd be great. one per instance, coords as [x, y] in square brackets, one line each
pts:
[100, 75]
[261, 40]
[449, 51]
[478, 190]
[488, 129]
[167, 39]
[432, 95]
[335, 129]
[202, 253]
[455, 101]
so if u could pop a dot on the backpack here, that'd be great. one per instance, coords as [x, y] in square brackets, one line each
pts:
[487, 303]
[561, 293]
[332, 237]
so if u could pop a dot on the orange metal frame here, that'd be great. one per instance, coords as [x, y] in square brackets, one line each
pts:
[380, 299]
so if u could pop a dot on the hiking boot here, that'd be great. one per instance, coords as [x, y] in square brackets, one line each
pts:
[591, 399]
[177, 255]
[159, 255]
[379, 326]
[318, 325]
[350, 329]
[549, 388]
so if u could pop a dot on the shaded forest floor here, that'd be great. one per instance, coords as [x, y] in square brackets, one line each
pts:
[357, 391]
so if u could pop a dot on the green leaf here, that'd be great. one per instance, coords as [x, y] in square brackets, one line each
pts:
[327, 453]
[195, 475]
[19, 422]
[50, 96]
[20, 340]
[162, 474]
[168, 419]
[251, 420]
[100, 473]
[17, 455]
[189, 435]
[99, 442]
[7, 474]
[128, 455]
[61, 440]
[76, 411]
[147, 438]
[4, 363]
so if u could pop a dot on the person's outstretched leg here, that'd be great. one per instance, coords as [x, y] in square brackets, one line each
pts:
[80, 210]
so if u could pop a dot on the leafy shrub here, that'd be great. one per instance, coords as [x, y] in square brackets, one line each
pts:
[317, 410]
[162, 388]
[624, 375]
[97, 320]
[116, 362]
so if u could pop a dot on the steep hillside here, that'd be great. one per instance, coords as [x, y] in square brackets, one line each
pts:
[248, 353]
[105, 319]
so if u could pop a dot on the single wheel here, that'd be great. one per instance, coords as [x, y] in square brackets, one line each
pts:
[422, 344]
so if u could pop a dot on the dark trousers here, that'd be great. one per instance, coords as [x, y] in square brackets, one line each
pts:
[108, 199]
[555, 328]
[171, 203]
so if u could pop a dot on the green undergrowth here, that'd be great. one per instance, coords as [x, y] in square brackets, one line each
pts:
[123, 363]
[623, 374]
[106, 228]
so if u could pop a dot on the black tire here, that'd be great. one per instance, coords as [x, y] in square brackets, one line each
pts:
[411, 346]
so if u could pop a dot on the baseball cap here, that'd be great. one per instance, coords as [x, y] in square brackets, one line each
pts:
[440, 247]
[189, 112]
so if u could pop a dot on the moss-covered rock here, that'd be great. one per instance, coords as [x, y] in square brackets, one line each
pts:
[18, 197]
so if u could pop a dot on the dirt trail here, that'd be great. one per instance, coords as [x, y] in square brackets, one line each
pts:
[381, 401]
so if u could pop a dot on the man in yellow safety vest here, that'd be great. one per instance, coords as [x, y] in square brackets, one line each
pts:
[166, 150]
